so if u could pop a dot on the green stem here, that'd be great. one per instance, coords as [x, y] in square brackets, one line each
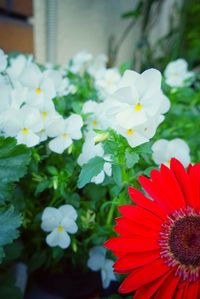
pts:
[110, 213]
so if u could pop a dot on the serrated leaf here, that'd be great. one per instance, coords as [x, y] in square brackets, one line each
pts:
[13, 160]
[10, 220]
[131, 158]
[89, 170]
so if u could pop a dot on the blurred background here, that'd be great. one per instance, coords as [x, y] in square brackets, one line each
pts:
[141, 33]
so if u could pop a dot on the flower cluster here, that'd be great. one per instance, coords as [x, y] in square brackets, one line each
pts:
[84, 127]
[27, 109]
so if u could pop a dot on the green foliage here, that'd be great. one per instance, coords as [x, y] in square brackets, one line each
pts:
[13, 160]
[10, 221]
[89, 170]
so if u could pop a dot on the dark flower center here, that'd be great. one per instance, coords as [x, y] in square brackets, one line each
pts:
[184, 240]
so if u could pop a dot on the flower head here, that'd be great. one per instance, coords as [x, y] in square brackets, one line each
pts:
[59, 222]
[64, 132]
[164, 150]
[98, 262]
[176, 73]
[159, 242]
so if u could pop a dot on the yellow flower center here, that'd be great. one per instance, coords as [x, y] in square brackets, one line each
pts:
[94, 123]
[138, 107]
[44, 114]
[60, 228]
[65, 136]
[130, 131]
[25, 131]
[38, 90]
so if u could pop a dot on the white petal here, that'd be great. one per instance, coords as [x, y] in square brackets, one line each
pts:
[73, 126]
[69, 225]
[13, 122]
[50, 219]
[129, 78]
[68, 211]
[59, 144]
[48, 88]
[64, 240]
[32, 119]
[89, 107]
[53, 238]
[159, 149]
[57, 238]
[29, 139]
[56, 127]
[31, 75]
[98, 179]
[108, 168]
[100, 250]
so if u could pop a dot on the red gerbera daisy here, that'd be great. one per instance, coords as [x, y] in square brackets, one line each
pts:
[159, 242]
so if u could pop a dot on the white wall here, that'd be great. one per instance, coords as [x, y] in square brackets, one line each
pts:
[88, 24]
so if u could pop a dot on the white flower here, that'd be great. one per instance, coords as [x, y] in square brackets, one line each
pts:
[59, 222]
[177, 72]
[164, 150]
[80, 62]
[98, 262]
[3, 61]
[24, 124]
[97, 115]
[91, 150]
[64, 132]
[62, 85]
[41, 87]
[107, 80]
[17, 65]
[139, 98]
[140, 134]
[98, 64]
[48, 116]
[5, 96]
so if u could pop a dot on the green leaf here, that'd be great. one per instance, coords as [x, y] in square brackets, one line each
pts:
[10, 220]
[13, 160]
[2, 254]
[131, 158]
[10, 292]
[89, 170]
[117, 174]
[144, 148]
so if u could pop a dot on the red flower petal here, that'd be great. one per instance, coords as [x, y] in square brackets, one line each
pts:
[183, 179]
[126, 245]
[172, 187]
[134, 260]
[191, 291]
[164, 189]
[141, 200]
[143, 275]
[168, 287]
[132, 228]
[141, 216]
[195, 182]
[179, 293]
[148, 290]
